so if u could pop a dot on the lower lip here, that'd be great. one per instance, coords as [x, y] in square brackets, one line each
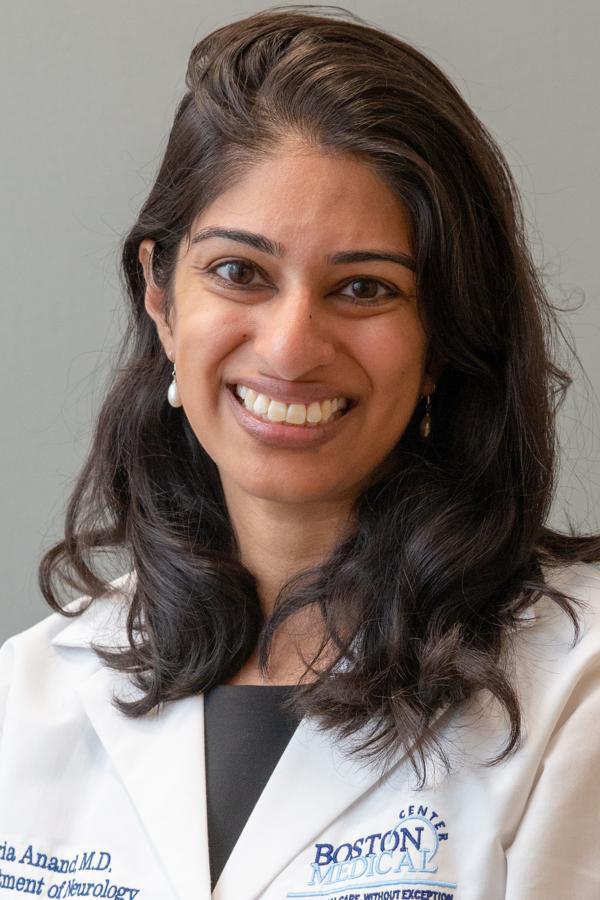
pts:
[276, 434]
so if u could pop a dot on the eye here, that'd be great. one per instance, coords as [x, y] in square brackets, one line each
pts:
[367, 291]
[239, 271]
[240, 274]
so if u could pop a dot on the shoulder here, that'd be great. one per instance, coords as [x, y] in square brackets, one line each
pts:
[548, 629]
[549, 652]
[551, 842]
[554, 671]
[100, 620]
[578, 580]
[556, 667]
[43, 659]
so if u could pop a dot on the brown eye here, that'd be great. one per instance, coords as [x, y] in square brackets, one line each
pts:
[364, 288]
[238, 272]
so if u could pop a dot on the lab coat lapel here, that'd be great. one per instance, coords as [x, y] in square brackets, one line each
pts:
[160, 761]
[312, 784]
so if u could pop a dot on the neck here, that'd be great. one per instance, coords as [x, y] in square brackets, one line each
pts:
[277, 541]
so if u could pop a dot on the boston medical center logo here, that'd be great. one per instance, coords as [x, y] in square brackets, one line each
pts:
[392, 856]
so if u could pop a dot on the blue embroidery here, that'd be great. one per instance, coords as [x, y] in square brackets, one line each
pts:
[408, 849]
[402, 892]
[420, 892]
[88, 862]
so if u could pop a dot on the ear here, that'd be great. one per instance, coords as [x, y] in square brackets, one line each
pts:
[432, 376]
[154, 298]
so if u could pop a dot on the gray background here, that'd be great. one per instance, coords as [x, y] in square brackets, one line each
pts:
[87, 93]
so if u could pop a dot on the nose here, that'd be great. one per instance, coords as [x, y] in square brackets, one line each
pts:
[294, 335]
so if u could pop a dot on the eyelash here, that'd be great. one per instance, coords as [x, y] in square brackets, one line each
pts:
[390, 292]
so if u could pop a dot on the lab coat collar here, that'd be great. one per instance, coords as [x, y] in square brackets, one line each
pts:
[159, 757]
[314, 782]
[102, 622]
[160, 761]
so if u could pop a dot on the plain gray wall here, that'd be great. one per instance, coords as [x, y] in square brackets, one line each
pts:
[88, 92]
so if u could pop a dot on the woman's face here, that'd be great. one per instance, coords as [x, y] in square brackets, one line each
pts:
[271, 309]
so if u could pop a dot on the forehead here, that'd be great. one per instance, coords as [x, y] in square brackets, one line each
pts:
[304, 199]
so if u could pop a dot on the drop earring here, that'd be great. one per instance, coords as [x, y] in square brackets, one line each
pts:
[426, 422]
[173, 392]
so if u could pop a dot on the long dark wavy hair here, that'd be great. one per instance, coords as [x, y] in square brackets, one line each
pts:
[451, 543]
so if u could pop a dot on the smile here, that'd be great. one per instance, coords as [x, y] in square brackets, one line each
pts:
[298, 414]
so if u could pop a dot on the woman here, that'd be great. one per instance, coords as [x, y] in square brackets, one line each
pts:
[348, 658]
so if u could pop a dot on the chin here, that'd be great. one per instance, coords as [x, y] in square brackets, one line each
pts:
[275, 491]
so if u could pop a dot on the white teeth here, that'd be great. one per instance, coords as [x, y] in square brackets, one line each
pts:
[313, 413]
[249, 398]
[261, 404]
[276, 411]
[294, 413]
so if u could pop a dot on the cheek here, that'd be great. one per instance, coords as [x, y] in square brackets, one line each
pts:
[396, 361]
[205, 339]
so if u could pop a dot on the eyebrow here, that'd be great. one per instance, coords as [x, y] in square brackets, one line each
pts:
[274, 248]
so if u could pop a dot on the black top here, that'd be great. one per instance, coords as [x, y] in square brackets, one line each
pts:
[246, 731]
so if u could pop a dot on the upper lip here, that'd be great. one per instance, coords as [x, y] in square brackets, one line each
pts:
[291, 391]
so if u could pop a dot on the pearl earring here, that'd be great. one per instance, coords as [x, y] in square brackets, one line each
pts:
[173, 392]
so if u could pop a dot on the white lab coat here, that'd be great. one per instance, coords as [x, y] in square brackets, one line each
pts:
[93, 804]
